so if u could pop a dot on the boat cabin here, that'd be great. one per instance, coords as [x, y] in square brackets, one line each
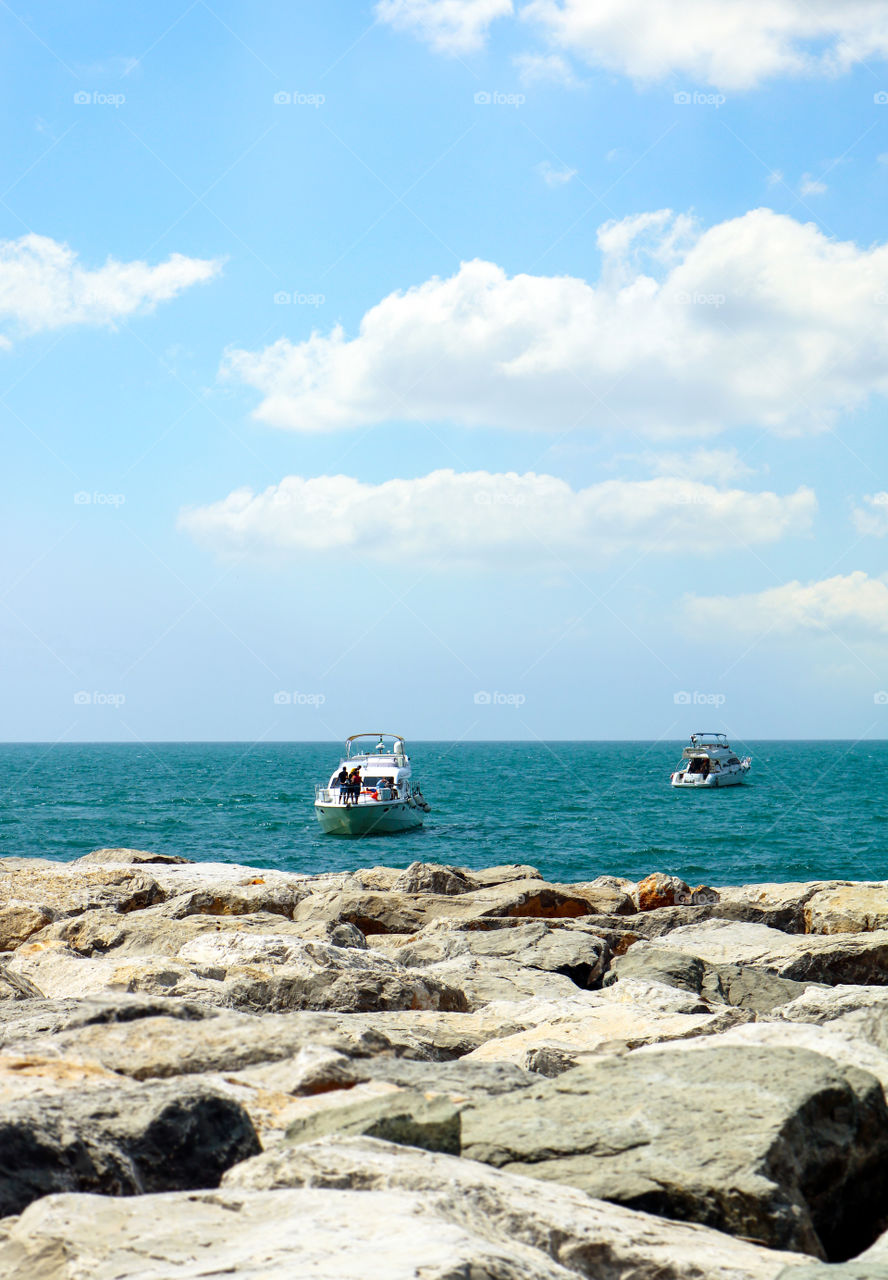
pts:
[382, 762]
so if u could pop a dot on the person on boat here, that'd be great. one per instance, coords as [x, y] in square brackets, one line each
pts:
[342, 780]
[355, 785]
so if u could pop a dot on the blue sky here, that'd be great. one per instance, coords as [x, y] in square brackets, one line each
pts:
[470, 369]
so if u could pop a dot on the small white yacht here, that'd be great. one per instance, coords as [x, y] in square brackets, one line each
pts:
[710, 761]
[371, 793]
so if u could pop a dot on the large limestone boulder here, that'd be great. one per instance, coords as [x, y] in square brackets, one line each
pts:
[780, 906]
[777, 1145]
[406, 913]
[20, 921]
[370, 1209]
[58, 889]
[850, 908]
[843, 958]
[570, 948]
[254, 972]
[122, 1140]
[569, 1037]
[432, 877]
[588, 1237]
[830, 1041]
[742, 986]
[121, 857]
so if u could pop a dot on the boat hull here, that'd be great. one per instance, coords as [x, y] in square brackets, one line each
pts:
[380, 818]
[713, 782]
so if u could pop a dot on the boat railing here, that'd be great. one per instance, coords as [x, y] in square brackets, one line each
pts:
[333, 795]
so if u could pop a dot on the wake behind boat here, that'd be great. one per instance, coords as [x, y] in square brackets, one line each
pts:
[710, 761]
[371, 793]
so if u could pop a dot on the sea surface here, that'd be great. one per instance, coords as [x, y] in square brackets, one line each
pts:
[575, 810]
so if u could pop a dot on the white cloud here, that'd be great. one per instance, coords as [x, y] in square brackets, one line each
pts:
[450, 26]
[733, 44]
[809, 186]
[545, 68]
[43, 285]
[720, 465]
[554, 177]
[479, 516]
[759, 321]
[853, 605]
[871, 519]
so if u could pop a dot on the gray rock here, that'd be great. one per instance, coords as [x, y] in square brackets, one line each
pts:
[121, 1141]
[781, 1146]
[319, 1069]
[406, 1117]
[31, 1018]
[158, 1046]
[831, 959]
[578, 953]
[432, 877]
[741, 986]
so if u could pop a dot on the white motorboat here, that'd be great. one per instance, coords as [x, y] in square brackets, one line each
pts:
[710, 761]
[372, 792]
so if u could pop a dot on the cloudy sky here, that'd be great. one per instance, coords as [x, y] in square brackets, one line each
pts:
[468, 368]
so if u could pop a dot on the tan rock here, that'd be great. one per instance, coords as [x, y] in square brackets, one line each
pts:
[852, 908]
[18, 921]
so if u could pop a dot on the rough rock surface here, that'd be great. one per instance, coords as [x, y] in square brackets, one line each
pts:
[831, 959]
[119, 1140]
[715, 1055]
[781, 1146]
[740, 985]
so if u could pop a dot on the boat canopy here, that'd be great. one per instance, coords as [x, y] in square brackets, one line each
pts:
[709, 739]
[375, 744]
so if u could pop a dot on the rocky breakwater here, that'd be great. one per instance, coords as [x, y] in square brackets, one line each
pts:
[209, 1069]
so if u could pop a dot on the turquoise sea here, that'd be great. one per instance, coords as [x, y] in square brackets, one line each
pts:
[810, 810]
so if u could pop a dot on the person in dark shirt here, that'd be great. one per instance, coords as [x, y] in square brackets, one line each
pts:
[342, 779]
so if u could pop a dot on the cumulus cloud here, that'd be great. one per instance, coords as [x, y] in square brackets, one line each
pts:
[44, 286]
[732, 44]
[852, 604]
[450, 26]
[479, 516]
[758, 321]
[872, 518]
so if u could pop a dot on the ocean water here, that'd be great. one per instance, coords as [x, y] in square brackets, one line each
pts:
[575, 810]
